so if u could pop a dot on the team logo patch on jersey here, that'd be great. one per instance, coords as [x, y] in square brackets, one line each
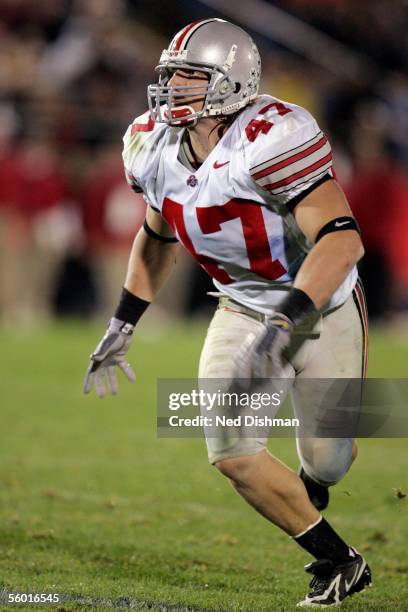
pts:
[192, 181]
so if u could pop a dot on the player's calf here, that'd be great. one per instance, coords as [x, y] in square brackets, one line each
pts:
[272, 489]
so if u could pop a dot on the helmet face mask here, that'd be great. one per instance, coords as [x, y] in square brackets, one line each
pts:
[218, 49]
[165, 101]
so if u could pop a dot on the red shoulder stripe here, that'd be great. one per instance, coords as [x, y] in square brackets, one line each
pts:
[300, 174]
[290, 160]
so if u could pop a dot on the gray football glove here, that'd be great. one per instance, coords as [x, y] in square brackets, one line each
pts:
[262, 354]
[109, 354]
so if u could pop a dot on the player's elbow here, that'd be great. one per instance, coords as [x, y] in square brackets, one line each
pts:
[356, 249]
[361, 251]
[350, 249]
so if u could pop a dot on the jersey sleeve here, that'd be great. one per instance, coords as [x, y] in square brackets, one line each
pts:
[132, 182]
[141, 151]
[291, 156]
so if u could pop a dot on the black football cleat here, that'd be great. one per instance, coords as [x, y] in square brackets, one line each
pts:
[318, 494]
[331, 584]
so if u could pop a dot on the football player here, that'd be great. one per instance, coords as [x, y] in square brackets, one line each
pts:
[245, 183]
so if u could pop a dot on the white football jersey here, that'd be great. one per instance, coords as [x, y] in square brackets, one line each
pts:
[235, 213]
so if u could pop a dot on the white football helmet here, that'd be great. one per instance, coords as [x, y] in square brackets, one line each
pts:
[222, 50]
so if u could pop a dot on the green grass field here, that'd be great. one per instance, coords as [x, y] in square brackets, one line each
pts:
[94, 505]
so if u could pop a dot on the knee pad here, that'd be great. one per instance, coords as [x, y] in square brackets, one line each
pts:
[326, 460]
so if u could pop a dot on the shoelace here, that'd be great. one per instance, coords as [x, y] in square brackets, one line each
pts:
[323, 571]
[320, 581]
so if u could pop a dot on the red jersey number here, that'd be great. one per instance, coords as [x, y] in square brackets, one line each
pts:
[256, 127]
[173, 213]
[210, 220]
[262, 126]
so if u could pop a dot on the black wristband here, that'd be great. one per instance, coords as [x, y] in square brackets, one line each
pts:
[297, 306]
[130, 307]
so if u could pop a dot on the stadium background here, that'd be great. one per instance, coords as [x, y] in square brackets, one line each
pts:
[87, 489]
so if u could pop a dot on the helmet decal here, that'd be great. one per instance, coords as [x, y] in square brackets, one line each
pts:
[231, 57]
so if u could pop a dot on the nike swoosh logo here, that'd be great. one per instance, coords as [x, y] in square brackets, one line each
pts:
[337, 224]
[350, 584]
[217, 165]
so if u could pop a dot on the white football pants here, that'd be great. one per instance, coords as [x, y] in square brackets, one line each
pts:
[338, 351]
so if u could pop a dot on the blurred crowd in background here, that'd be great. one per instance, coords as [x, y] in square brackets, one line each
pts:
[73, 75]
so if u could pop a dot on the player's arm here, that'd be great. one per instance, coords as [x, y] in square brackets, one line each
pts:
[324, 214]
[151, 259]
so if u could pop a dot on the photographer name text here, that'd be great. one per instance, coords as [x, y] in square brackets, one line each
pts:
[238, 421]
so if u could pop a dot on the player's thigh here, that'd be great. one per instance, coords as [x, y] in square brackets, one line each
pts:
[327, 394]
[226, 333]
[341, 349]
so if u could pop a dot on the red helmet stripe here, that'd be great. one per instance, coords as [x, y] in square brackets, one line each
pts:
[177, 43]
[180, 38]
